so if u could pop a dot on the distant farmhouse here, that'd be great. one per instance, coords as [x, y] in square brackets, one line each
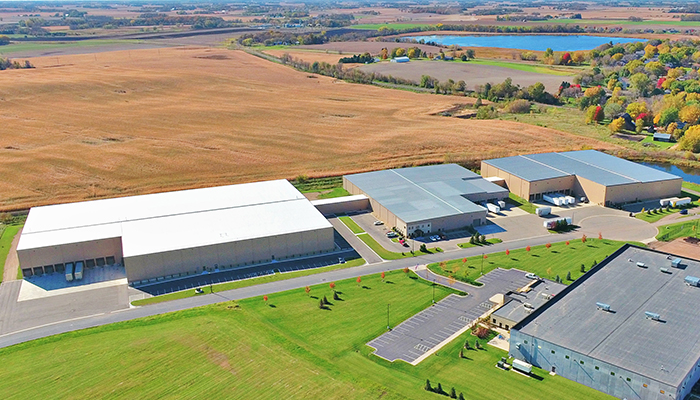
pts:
[629, 327]
[602, 178]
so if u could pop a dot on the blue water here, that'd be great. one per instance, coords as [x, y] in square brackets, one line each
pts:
[528, 42]
[688, 174]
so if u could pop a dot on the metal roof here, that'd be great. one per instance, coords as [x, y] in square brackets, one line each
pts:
[592, 165]
[515, 310]
[664, 350]
[155, 222]
[423, 193]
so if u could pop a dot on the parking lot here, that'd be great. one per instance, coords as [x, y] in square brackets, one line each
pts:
[435, 326]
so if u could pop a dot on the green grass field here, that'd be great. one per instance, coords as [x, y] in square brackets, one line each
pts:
[691, 186]
[671, 232]
[333, 193]
[285, 349]
[623, 22]
[6, 236]
[559, 259]
[539, 69]
[351, 224]
[392, 26]
[17, 47]
[248, 282]
[663, 145]
[390, 255]
[521, 203]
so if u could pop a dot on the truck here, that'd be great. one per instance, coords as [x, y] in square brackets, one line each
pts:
[522, 366]
[552, 223]
[681, 202]
[493, 208]
[570, 200]
[552, 199]
[78, 270]
[543, 211]
[502, 204]
[69, 272]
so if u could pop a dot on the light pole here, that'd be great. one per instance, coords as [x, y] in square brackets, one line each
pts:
[388, 327]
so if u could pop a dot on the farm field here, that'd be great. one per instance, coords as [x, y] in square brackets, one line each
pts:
[168, 119]
[472, 73]
[257, 349]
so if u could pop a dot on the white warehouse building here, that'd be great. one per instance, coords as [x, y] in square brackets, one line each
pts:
[177, 233]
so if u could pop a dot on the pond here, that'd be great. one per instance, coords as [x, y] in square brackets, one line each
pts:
[688, 174]
[528, 42]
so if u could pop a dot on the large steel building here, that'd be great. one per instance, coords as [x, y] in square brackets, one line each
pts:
[629, 327]
[602, 178]
[426, 199]
[177, 233]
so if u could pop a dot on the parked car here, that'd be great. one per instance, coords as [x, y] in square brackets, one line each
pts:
[443, 236]
[341, 260]
[377, 223]
[402, 241]
[684, 212]
[391, 234]
[530, 275]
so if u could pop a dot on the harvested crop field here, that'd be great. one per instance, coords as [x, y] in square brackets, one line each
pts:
[371, 47]
[155, 120]
[472, 74]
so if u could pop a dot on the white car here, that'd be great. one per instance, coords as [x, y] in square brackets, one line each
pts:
[530, 275]
[391, 234]
[377, 223]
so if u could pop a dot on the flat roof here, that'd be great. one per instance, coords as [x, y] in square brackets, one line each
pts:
[423, 193]
[593, 165]
[664, 350]
[515, 309]
[184, 219]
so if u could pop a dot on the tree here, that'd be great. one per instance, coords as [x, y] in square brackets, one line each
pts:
[321, 304]
[527, 249]
[405, 270]
[568, 276]
[583, 268]
[612, 110]
[617, 125]
[332, 285]
[634, 109]
[691, 140]
[428, 387]
[549, 271]
[640, 82]
[566, 59]
[439, 388]
[461, 396]
[4, 40]
[359, 280]
[335, 296]
[461, 353]
[423, 248]
[470, 54]
[325, 301]
[557, 279]
[650, 51]
[507, 252]
[600, 235]
[453, 393]
[383, 275]
[307, 290]
[537, 92]
[655, 68]
[548, 53]
[583, 239]
[384, 54]
[667, 116]
[578, 57]
[548, 245]
[690, 114]
[265, 298]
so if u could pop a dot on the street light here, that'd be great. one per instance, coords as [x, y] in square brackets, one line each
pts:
[388, 327]
[433, 291]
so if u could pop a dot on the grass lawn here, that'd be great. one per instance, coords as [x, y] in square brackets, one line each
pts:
[488, 242]
[287, 348]
[335, 192]
[539, 69]
[248, 282]
[521, 203]
[392, 26]
[306, 185]
[547, 263]
[670, 232]
[390, 255]
[663, 145]
[691, 186]
[655, 216]
[6, 236]
[351, 224]
[623, 22]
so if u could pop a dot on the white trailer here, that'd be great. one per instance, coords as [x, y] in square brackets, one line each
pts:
[69, 272]
[522, 366]
[543, 211]
[493, 208]
[665, 202]
[78, 270]
[681, 202]
[551, 200]
[502, 204]
[570, 200]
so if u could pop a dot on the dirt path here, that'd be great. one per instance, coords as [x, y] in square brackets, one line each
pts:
[12, 262]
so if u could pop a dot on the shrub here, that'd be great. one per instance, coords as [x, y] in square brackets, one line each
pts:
[612, 110]
[423, 248]
[325, 300]
[520, 106]
[482, 332]
[486, 112]
[428, 387]
[583, 268]
[617, 125]
[691, 140]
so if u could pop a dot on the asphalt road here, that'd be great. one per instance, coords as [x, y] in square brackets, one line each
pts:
[54, 328]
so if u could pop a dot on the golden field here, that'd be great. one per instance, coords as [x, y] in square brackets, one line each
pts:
[142, 121]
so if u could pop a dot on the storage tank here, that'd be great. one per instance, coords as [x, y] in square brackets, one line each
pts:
[69, 272]
[522, 366]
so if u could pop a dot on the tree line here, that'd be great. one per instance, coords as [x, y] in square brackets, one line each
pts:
[6, 63]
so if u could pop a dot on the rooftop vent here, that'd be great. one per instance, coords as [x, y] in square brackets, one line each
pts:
[651, 315]
[641, 265]
[664, 270]
[546, 296]
[676, 263]
[603, 306]
[692, 281]
[528, 305]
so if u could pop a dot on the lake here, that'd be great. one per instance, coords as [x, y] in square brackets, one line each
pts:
[688, 174]
[528, 42]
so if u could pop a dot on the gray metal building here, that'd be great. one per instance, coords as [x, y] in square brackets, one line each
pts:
[521, 303]
[630, 327]
[603, 178]
[426, 199]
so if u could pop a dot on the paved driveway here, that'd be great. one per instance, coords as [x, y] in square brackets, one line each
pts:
[436, 326]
